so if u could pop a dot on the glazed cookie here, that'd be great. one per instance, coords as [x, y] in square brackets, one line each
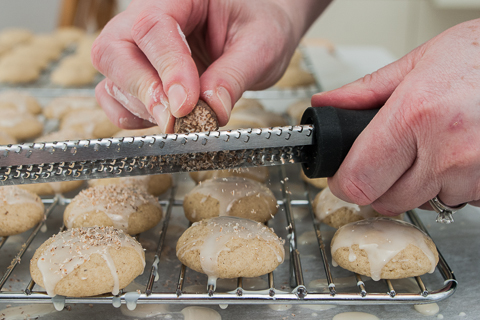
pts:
[154, 184]
[87, 262]
[22, 58]
[201, 119]
[20, 210]
[93, 123]
[127, 208]
[335, 212]
[59, 107]
[384, 248]
[72, 72]
[259, 174]
[23, 101]
[230, 247]
[295, 77]
[21, 126]
[232, 196]
[247, 104]
[320, 183]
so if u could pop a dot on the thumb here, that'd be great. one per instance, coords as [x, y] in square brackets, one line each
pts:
[371, 91]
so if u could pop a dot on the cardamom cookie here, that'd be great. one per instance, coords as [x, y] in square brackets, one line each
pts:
[230, 247]
[21, 126]
[153, 184]
[319, 183]
[20, 210]
[335, 212]
[23, 101]
[89, 122]
[127, 208]
[384, 248]
[60, 106]
[233, 196]
[259, 174]
[87, 262]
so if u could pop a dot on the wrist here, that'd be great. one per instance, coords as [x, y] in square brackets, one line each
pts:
[303, 14]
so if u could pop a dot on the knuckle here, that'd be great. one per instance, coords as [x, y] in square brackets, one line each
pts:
[143, 25]
[97, 55]
[356, 191]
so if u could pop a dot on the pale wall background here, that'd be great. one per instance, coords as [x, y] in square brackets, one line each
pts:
[398, 25]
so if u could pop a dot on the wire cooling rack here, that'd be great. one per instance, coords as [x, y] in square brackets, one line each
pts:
[287, 286]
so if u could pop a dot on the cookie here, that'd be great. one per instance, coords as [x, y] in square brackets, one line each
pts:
[319, 183]
[230, 247]
[233, 196]
[248, 104]
[295, 77]
[21, 126]
[14, 36]
[153, 184]
[87, 262]
[18, 72]
[384, 248]
[60, 106]
[62, 135]
[259, 174]
[23, 101]
[51, 188]
[20, 210]
[253, 115]
[23, 58]
[93, 123]
[6, 139]
[201, 119]
[335, 212]
[139, 132]
[69, 35]
[127, 208]
[73, 72]
[296, 110]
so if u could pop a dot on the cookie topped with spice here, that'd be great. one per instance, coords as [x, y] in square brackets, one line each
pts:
[87, 261]
[131, 209]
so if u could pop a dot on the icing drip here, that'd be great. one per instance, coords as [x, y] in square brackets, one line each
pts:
[382, 239]
[14, 195]
[223, 230]
[116, 201]
[229, 190]
[328, 203]
[72, 248]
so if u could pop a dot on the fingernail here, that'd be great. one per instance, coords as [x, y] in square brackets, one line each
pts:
[176, 97]
[162, 116]
[225, 99]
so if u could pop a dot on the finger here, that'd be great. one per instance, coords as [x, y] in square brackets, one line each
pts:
[126, 66]
[117, 114]
[241, 67]
[128, 101]
[161, 39]
[371, 91]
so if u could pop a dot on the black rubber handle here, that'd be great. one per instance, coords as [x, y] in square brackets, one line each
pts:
[334, 134]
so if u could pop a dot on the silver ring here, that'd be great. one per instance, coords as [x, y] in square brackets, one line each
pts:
[445, 213]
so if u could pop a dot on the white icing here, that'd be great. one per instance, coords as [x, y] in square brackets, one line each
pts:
[355, 315]
[223, 230]
[31, 311]
[200, 313]
[428, 309]
[14, 195]
[328, 203]
[231, 190]
[116, 201]
[280, 307]
[382, 239]
[74, 247]
[256, 173]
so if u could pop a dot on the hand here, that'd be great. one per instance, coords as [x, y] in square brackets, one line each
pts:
[160, 57]
[425, 140]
